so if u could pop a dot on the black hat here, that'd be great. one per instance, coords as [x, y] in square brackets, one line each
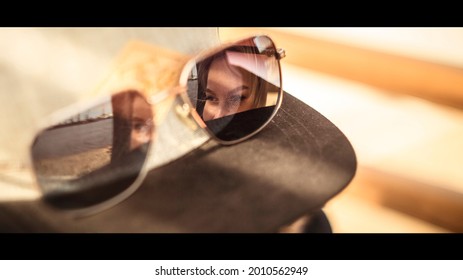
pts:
[290, 169]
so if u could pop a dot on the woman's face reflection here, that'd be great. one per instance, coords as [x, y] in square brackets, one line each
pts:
[141, 123]
[229, 91]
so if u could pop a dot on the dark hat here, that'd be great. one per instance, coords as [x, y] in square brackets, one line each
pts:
[289, 169]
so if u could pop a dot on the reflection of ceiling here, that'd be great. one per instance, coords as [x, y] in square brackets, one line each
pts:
[440, 45]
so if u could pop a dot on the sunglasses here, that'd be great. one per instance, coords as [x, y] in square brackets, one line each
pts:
[91, 156]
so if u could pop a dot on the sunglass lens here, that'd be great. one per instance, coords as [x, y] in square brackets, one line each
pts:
[96, 154]
[236, 90]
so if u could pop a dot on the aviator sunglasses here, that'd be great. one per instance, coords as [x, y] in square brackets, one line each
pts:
[91, 156]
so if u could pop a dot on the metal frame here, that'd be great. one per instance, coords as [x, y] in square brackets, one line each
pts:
[186, 111]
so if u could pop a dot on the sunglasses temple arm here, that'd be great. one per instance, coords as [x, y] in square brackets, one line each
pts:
[177, 135]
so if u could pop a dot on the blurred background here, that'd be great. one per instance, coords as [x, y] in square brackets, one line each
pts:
[397, 94]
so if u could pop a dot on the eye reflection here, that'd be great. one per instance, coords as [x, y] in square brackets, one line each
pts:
[133, 124]
[236, 90]
[229, 89]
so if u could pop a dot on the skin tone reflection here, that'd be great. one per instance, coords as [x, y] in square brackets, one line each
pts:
[142, 123]
[230, 90]
[103, 146]
[133, 124]
[227, 92]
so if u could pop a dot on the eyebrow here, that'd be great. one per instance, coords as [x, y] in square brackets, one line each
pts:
[237, 89]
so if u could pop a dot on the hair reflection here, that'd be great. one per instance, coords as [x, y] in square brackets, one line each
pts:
[236, 91]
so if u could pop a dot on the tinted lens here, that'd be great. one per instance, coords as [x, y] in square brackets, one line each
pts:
[96, 154]
[236, 90]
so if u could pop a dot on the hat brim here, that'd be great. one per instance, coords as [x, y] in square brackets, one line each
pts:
[290, 169]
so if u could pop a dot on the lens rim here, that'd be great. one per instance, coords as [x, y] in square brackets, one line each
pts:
[192, 63]
[179, 91]
[68, 112]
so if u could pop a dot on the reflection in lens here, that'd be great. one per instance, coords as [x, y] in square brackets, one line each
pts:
[96, 154]
[235, 91]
